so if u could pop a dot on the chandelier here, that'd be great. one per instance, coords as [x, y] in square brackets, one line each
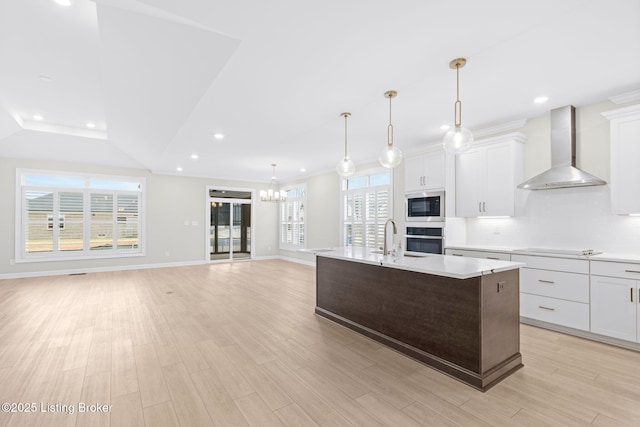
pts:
[271, 194]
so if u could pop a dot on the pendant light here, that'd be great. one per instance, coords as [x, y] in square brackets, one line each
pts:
[458, 139]
[271, 194]
[345, 167]
[391, 156]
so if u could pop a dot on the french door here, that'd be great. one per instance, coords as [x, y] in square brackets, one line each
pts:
[230, 229]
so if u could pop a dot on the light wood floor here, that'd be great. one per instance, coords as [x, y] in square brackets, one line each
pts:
[238, 344]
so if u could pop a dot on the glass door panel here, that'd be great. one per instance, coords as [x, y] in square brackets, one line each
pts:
[241, 230]
[230, 229]
[220, 230]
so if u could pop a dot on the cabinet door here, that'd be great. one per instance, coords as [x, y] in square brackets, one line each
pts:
[434, 171]
[613, 307]
[413, 173]
[499, 190]
[625, 173]
[469, 183]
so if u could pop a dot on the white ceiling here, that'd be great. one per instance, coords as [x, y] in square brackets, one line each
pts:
[160, 77]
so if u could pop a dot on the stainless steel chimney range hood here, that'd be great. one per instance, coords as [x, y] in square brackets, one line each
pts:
[563, 172]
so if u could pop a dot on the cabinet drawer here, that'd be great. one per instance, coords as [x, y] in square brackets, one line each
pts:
[555, 284]
[479, 254]
[553, 263]
[624, 270]
[560, 312]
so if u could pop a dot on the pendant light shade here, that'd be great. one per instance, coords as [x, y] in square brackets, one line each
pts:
[458, 139]
[345, 167]
[271, 194]
[391, 156]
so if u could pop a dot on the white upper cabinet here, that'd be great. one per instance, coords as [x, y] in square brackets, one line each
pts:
[625, 159]
[425, 172]
[487, 175]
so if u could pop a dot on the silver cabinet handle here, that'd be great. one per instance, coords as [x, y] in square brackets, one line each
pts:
[484, 206]
[631, 294]
[457, 254]
[632, 271]
[546, 281]
[479, 206]
[546, 308]
[493, 257]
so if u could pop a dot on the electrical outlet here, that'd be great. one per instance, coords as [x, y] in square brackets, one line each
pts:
[501, 286]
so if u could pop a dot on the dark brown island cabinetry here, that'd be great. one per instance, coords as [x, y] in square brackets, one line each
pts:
[465, 328]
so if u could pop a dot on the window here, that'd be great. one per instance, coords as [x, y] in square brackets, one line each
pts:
[366, 205]
[75, 216]
[292, 218]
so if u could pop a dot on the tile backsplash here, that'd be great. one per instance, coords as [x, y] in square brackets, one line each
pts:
[568, 218]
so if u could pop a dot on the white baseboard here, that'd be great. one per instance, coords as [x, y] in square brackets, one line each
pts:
[98, 269]
[138, 267]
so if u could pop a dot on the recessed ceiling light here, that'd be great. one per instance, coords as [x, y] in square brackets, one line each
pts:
[444, 127]
[91, 125]
[303, 170]
[541, 99]
[218, 135]
[37, 117]
[45, 79]
[179, 168]
[194, 156]
[63, 2]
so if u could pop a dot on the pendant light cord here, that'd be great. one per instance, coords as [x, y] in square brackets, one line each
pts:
[457, 107]
[345, 135]
[390, 127]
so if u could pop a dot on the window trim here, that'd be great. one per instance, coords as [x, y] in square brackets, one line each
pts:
[291, 246]
[19, 221]
[342, 192]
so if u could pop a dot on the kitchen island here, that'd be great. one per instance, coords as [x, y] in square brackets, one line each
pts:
[458, 315]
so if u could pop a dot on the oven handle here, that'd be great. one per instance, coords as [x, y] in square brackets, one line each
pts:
[408, 236]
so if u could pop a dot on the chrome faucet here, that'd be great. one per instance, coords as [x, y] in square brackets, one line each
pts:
[385, 249]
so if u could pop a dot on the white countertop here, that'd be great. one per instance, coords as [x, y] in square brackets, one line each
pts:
[440, 265]
[605, 256]
[617, 257]
[505, 249]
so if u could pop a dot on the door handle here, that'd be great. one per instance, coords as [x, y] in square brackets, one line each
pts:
[546, 308]
[479, 206]
[546, 281]
[493, 257]
[484, 206]
[631, 294]
[632, 271]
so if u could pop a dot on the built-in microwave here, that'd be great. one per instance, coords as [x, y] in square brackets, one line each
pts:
[424, 240]
[424, 206]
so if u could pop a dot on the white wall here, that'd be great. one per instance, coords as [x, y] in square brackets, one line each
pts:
[170, 201]
[568, 218]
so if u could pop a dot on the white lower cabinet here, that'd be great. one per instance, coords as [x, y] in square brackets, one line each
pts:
[615, 309]
[555, 290]
[553, 310]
